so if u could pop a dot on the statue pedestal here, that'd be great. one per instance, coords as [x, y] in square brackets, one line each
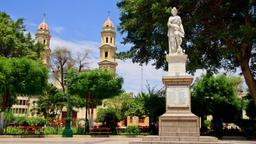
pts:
[178, 125]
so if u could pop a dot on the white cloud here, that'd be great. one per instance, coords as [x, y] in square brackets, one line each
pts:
[136, 77]
[129, 71]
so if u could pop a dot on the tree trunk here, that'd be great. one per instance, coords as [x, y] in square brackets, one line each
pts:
[86, 113]
[92, 117]
[243, 59]
[62, 77]
[248, 76]
[6, 97]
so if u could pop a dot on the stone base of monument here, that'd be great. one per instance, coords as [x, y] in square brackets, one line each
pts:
[178, 128]
[179, 125]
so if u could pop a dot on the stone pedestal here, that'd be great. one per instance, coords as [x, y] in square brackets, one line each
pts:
[178, 125]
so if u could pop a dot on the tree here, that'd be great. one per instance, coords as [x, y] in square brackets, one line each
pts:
[119, 103]
[154, 103]
[20, 76]
[216, 96]
[82, 59]
[61, 61]
[109, 117]
[250, 107]
[50, 104]
[218, 34]
[134, 107]
[94, 86]
[14, 39]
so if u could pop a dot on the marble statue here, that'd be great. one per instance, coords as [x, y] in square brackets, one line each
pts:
[175, 32]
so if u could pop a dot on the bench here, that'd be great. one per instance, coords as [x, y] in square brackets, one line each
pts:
[100, 131]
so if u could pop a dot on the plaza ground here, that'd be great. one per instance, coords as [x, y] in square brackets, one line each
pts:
[93, 140]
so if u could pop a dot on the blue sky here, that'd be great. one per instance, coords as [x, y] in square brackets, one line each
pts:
[77, 25]
[71, 20]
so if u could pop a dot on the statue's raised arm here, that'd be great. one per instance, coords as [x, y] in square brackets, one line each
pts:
[175, 32]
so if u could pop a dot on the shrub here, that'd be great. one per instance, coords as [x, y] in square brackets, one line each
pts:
[53, 131]
[13, 131]
[20, 121]
[133, 130]
[36, 121]
[8, 117]
[29, 121]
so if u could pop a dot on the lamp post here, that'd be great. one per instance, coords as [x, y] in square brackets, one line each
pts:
[68, 131]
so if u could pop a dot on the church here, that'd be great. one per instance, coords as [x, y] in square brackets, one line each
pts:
[27, 106]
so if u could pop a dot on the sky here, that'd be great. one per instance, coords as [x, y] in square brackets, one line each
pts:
[77, 25]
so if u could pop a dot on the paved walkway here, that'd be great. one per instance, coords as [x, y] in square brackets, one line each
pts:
[88, 140]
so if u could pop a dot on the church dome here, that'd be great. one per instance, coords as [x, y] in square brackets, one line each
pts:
[108, 23]
[43, 25]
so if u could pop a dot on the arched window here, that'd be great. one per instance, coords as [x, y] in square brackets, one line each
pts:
[106, 39]
[106, 55]
[110, 39]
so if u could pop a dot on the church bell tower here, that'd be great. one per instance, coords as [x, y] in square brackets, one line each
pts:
[108, 46]
[43, 36]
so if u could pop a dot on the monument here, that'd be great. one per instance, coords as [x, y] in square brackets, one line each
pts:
[178, 124]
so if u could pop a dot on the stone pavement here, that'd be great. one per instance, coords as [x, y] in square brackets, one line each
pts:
[88, 140]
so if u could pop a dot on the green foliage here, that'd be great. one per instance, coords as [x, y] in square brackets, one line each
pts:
[53, 131]
[36, 121]
[21, 121]
[218, 34]
[51, 102]
[14, 41]
[132, 130]
[29, 121]
[94, 85]
[154, 103]
[251, 109]
[119, 103]
[207, 123]
[20, 76]
[216, 95]
[13, 131]
[109, 117]
[134, 107]
[8, 117]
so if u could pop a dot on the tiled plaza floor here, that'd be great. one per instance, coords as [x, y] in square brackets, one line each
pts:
[88, 140]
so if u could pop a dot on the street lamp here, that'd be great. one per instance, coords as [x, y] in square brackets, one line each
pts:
[68, 131]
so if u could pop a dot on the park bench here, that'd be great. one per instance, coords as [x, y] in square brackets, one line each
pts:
[100, 131]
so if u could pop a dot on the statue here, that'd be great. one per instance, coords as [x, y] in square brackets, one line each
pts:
[175, 32]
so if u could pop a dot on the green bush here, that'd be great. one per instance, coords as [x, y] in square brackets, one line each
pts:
[8, 117]
[133, 130]
[13, 131]
[36, 121]
[29, 121]
[53, 131]
[207, 123]
[20, 121]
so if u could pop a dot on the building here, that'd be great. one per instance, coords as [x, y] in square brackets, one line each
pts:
[108, 46]
[43, 36]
